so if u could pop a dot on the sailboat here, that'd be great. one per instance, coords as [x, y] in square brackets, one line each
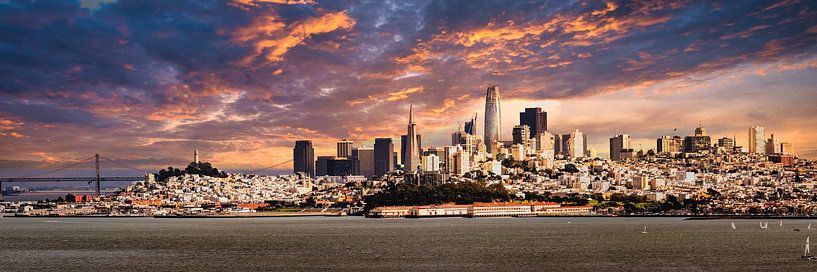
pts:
[781, 223]
[760, 224]
[807, 255]
[645, 230]
[809, 226]
[733, 225]
[765, 225]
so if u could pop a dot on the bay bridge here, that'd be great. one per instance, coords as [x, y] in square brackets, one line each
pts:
[47, 176]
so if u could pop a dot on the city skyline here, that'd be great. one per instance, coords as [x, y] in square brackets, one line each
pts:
[243, 86]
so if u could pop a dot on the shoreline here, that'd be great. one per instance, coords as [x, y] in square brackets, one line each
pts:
[279, 214]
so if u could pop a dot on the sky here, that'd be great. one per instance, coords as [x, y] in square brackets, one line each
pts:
[147, 82]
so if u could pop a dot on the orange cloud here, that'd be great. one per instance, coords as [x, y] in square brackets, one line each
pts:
[6, 124]
[510, 32]
[587, 29]
[505, 47]
[12, 134]
[355, 102]
[610, 7]
[403, 94]
[271, 37]
[446, 105]
[281, 2]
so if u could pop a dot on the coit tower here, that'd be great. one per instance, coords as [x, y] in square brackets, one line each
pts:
[492, 117]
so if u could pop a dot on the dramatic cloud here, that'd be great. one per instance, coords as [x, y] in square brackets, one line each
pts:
[146, 82]
[272, 37]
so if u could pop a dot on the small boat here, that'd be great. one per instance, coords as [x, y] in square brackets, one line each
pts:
[765, 225]
[568, 221]
[796, 229]
[733, 225]
[807, 255]
[645, 230]
[760, 224]
[809, 226]
[781, 223]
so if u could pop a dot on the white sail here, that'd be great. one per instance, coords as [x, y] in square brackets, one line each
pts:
[809, 225]
[645, 230]
[808, 249]
[733, 225]
[781, 223]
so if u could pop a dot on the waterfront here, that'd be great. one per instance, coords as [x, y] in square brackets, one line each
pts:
[354, 243]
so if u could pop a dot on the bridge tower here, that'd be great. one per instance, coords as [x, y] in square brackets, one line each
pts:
[98, 194]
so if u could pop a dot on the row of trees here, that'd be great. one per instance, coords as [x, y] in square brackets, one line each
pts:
[194, 168]
[459, 193]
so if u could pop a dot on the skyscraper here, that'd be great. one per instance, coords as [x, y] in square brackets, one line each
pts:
[772, 146]
[521, 135]
[617, 144]
[383, 159]
[403, 143]
[344, 167]
[412, 155]
[786, 148]
[698, 142]
[727, 144]
[573, 144]
[303, 158]
[345, 148]
[757, 139]
[322, 165]
[584, 144]
[471, 126]
[545, 142]
[335, 166]
[536, 119]
[430, 163]
[493, 126]
[365, 156]
[664, 144]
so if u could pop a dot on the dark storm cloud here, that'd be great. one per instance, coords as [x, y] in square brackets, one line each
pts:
[146, 77]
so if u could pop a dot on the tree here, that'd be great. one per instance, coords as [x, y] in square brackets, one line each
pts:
[570, 168]
[460, 193]
[713, 193]
[194, 168]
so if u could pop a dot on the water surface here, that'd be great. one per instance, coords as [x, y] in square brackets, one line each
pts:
[353, 244]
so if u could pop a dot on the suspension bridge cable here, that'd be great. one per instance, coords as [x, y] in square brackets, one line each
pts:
[123, 165]
[268, 167]
[59, 169]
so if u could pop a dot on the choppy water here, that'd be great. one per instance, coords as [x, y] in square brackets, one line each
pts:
[353, 244]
